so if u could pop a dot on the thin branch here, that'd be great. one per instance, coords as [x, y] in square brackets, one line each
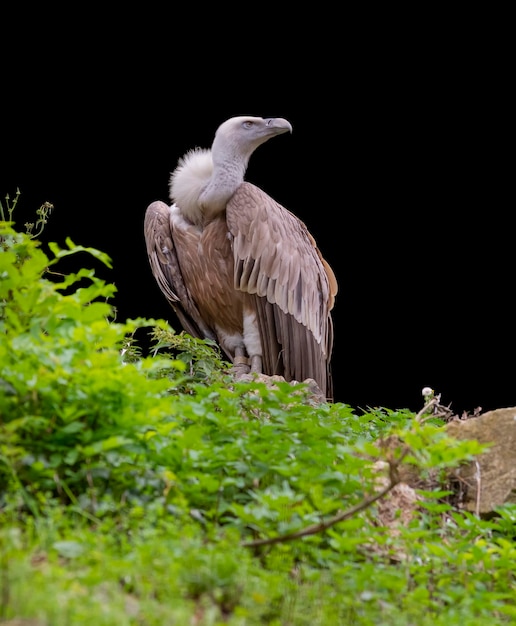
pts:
[432, 405]
[478, 478]
[317, 528]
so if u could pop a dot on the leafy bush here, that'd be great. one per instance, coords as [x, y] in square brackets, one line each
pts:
[155, 490]
[73, 412]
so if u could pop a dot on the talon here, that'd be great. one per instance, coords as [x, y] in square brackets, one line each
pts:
[240, 370]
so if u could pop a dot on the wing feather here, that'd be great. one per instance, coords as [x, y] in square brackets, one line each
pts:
[165, 266]
[303, 286]
[292, 288]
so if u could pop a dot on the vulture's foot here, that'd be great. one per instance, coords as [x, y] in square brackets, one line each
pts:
[240, 366]
[256, 364]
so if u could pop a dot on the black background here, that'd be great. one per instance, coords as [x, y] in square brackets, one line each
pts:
[397, 163]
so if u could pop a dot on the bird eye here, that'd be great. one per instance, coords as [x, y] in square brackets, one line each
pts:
[247, 124]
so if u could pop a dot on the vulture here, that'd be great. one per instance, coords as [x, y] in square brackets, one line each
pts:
[237, 267]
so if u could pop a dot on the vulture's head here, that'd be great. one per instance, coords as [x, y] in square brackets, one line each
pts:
[204, 180]
[238, 137]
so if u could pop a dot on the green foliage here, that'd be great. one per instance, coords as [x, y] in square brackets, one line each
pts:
[10, 205]
[41, 214]
[202, 358]
[69, 401]
[157, 490]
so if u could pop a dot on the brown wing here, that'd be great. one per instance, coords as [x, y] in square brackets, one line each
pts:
[166, 269]
[290, 286]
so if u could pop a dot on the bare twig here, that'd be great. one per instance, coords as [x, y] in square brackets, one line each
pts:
[478, 478]
[317, 528]
[394, 479]
[431, 409]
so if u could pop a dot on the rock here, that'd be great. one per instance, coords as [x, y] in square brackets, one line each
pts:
[314, 395]
[490, 480]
